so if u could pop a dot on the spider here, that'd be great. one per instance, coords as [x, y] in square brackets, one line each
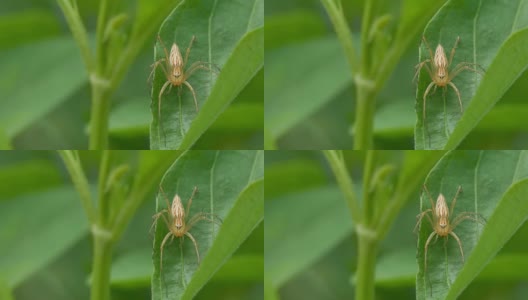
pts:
[441, 222]
[437, 66]
[173, 66]
[177, 223]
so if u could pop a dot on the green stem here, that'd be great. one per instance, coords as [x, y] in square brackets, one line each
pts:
[101, 26]
[367, 177]
[78, 31]
[74, 167]
[365, 108]
[344, 181]
[102, 185]
[99, 113]
[365, 273]
[103, 248]
[343, 33]
[365, 29]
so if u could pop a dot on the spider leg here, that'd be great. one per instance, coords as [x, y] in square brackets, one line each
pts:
[458, 94]
[166, 198]
[154, 66]
[193, 93]
[161, 248]
[467, 216]
[199, 217]
[480, 69]
[188, 50]
[164, 48]
[201, 65]
[168, 83]
[426, 246]
[420, 217]
[419, 67]
[453, 50]
[459, 243]
[157, 216]
[212, 67]
[461, 67]
[455, 199]
[195, 245]
[190, 201]
[425, 97]
[428, 48]
[430, 198]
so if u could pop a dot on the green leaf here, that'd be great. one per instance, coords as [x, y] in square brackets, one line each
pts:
[29, 25]
[294, 222]
[293, 175]
[5, 143]
[130, 118]
[242, 64]
[47, 223]
[511, 213]
[292, 27]
[230, 186]
[28, 177]
[295, 89]
[5, 291]
[242, 268]
[397, 268]
[35, 80]
[270, 292]
[494, 46]
[494, 186]
[235, 50]
[415, 167]
[132, 269]
[506, 267]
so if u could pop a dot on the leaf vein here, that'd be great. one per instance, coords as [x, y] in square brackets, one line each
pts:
[516, 16]
[251, 15]
[211, 183]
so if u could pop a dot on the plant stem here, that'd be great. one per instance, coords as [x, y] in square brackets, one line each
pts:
[104, 169]
[78, 31]
[103, 248]
[74, 167]
[365, 273]
[343, 33]
[365, 29]
[368, 169]
[99, 113]
[365, 108]
[344, 181]
[101, 26]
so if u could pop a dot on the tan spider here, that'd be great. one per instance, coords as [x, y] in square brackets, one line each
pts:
[173, 66]
[177, 223]
[438, 68]
[441, 222]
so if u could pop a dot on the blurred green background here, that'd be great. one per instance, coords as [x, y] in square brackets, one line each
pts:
[309, 94]
[46, 248]
[45, 93]
[311, 247]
